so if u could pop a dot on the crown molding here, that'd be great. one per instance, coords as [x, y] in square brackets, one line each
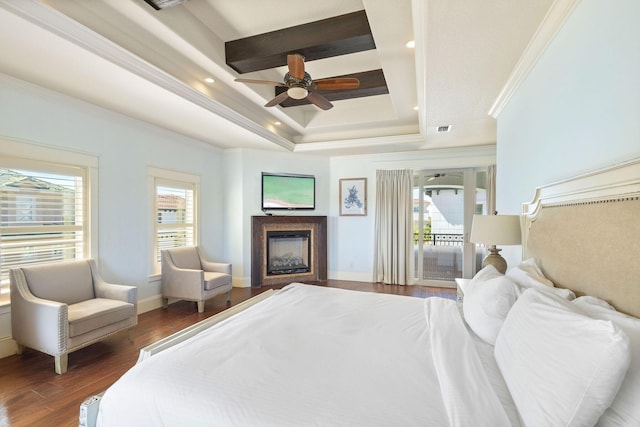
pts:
[419, 10]
[555, 18]
[57, 23]
[345, 144]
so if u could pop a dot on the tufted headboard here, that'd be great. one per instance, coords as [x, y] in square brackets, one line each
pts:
[585, 234]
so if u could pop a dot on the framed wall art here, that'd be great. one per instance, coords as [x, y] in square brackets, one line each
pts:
[353, 197]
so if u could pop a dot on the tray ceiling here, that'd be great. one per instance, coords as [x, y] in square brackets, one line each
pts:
[152, 64]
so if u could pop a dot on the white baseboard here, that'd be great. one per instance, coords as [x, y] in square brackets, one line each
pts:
[149, 304]
[349, 275]
[241, 282]
[8, 347]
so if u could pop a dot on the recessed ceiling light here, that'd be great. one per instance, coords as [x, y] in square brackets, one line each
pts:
[209, 80]
[277, 123]
[415, 108]
[411, 44]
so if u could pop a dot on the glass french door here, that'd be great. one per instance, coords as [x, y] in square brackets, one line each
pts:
[444, 202]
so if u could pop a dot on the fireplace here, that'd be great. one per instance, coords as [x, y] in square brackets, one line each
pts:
[288, 252]
[287, 249]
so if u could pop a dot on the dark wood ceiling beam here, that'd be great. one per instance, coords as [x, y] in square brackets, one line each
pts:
[371, 83]
[340, 35]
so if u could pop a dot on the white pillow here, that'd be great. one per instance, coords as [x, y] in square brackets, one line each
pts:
[528, 275]
[588, 300]
[487, 273]
[625, 409]
[563, 368]
[486, 304]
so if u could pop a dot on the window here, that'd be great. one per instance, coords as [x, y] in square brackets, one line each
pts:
[174, 212]
[42, 215]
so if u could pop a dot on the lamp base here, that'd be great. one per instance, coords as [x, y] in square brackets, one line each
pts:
[495, 259]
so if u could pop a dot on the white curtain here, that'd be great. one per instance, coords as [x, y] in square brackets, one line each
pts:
[491, 189]
[394, 227]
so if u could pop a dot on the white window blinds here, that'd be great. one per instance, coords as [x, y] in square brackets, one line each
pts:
[175, 215]
[42, 217]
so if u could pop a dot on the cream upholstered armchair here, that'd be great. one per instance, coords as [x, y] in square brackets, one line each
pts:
[61, 307]
[186, 275]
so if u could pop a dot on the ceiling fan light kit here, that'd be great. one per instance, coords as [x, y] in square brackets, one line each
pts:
[297, 92]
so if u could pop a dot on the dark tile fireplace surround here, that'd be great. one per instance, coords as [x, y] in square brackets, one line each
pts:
[287, 249]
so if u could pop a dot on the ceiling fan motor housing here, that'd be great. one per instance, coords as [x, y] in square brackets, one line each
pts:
[291, 81]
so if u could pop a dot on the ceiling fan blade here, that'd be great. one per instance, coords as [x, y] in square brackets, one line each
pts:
[295, 62]
[277, 100]
[260, 82]
[319, 100]
[337, 83]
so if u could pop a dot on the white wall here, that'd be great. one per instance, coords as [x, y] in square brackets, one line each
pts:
[242, 176]
[578, 109]
[352, 237]
[124, 148]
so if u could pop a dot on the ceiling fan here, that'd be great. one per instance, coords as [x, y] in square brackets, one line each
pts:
[300, 85]
[434, 176]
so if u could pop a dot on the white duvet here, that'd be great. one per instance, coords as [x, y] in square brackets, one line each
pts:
[315, 356]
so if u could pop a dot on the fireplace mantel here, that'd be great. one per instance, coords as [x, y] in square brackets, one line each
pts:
[261, 225]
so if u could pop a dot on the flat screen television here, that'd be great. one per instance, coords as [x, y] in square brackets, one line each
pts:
[282, 191]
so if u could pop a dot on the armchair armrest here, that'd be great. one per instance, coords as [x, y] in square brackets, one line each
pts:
[35, 322]
[118, 292]
[107, 290]
[218, 267]
[173, 274]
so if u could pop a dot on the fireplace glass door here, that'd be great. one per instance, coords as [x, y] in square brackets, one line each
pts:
[288, 252]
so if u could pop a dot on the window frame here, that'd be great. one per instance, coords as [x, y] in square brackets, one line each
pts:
[469, 205]
[172, 179]
[24, 155]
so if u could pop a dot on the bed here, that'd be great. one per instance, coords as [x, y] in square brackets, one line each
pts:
[555, 341]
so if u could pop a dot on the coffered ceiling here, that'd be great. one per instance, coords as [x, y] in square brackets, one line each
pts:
[153, 64]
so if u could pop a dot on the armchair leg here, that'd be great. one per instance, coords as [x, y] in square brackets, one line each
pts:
[229, 296]
[20, 349]
[201, 306]
[165, 302]
[62, 362]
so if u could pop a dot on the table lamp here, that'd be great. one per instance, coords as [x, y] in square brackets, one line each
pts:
[492, 230]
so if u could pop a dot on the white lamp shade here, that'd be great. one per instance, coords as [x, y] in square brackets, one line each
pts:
[495, 230]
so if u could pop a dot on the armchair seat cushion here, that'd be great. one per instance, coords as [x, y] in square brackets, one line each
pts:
[95, 313]
[213, 280]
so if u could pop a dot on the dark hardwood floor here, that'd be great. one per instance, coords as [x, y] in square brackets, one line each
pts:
[32, 394]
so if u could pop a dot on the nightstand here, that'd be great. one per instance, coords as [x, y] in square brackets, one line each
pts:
[461, 285]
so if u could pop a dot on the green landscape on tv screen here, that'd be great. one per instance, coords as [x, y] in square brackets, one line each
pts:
[288, 192]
